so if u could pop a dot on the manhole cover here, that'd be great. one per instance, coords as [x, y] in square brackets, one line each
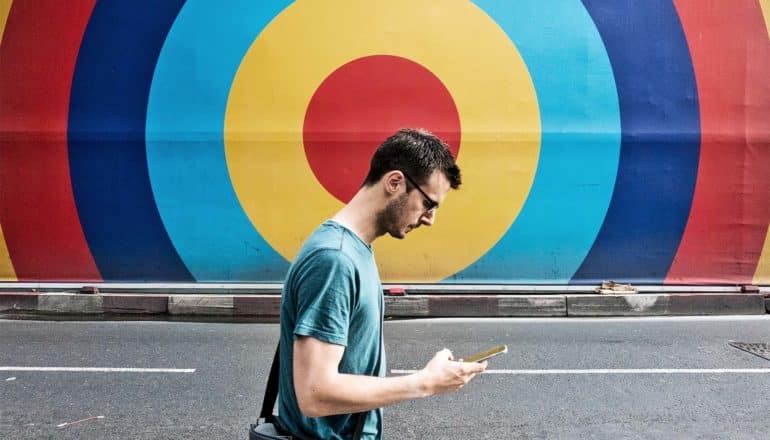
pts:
[760, 349]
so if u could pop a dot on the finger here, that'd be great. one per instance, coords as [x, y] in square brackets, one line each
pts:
[471, 367]
[462, 368]
[475, 367]
[448, 353]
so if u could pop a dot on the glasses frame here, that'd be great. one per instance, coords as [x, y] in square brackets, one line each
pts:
[432, 204]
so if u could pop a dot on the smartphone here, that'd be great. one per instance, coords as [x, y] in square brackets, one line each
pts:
[484, 355]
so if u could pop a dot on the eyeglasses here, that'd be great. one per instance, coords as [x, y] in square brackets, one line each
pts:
[429, 204]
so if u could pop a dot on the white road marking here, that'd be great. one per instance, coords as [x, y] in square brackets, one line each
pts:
[576, 320]
[62, 425]
[623, 371]
[10, 379]
[100, 370]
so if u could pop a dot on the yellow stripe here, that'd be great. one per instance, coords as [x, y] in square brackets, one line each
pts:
[5, 8]
[491, 87]
[6, 267]
[762, 274]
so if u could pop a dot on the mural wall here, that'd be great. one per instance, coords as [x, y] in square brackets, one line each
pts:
[191, 141]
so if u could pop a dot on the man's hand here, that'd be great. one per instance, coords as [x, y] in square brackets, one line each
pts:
[443, 375]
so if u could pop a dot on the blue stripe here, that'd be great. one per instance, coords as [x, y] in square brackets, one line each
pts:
[579, 150]
[660, 142]
[106, 141]
[185, 148]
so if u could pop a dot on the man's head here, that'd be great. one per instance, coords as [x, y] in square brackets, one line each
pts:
[416, 170]
[415, 152]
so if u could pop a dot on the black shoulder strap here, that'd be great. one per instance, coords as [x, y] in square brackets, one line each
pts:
[271, 391]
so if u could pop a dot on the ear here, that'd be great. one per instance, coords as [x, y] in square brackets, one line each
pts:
[392, 180]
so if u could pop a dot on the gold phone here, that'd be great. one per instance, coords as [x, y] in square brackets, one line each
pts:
[484, 355]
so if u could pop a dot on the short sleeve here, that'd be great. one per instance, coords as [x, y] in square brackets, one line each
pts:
[324, 289]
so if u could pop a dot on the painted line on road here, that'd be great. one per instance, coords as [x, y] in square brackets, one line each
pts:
[100, 370]
[623, 371]
[76, 422]
[582, 320]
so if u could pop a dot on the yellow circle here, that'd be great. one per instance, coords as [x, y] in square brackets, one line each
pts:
[455, 40]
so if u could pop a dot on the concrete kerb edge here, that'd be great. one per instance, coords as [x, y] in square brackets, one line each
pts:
[18, 302]
[267, 307]
[666, 304]
[70, 303]
[143, 304]
[496, 305]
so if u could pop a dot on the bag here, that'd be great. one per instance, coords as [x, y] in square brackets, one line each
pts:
[269, 427]
[266, 431]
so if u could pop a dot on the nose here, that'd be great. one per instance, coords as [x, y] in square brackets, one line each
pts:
[428, 218]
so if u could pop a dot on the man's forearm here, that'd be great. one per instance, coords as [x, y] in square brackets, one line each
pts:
[348, 393]
[321, 390]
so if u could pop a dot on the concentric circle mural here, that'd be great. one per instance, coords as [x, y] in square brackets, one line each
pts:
[192, 141]
[267, 121]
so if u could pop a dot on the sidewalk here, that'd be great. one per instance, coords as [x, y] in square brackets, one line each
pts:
[265, 307]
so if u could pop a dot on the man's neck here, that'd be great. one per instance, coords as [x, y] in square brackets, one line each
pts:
[360, 215]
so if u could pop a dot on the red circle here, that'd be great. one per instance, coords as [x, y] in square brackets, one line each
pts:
[362, 103]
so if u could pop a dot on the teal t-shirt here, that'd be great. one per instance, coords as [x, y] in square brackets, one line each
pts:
[332, 293]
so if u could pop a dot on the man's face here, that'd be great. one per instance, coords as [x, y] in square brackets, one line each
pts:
[410, 210]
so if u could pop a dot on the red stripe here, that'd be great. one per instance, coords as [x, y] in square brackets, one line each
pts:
[37, 208]
[731, 207]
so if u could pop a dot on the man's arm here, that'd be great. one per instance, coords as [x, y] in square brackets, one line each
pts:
[322, 390]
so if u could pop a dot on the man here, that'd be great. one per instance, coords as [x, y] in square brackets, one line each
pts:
[332, 304]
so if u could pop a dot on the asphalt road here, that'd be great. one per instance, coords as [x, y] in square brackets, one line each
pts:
[564, 378]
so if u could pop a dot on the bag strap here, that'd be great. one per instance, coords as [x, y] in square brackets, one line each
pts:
[271, 392]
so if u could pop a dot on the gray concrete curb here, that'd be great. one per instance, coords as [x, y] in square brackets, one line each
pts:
[413, 306]
[665, 305]
[266, 308]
